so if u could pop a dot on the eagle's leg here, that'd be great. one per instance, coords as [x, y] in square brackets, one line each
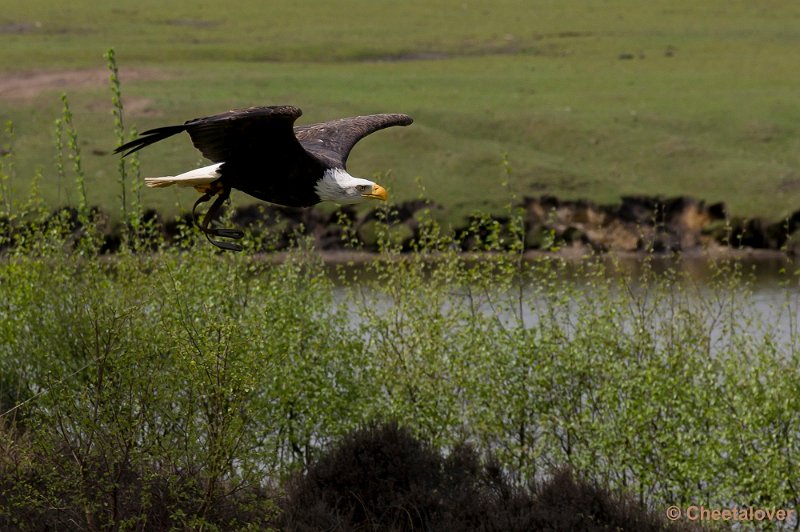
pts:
[222, 192]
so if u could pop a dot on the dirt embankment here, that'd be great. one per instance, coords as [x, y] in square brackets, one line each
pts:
[647, 223]
[637, 224]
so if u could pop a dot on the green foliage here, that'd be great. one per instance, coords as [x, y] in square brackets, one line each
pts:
[119, 127]
[66, 126]
[196, 380]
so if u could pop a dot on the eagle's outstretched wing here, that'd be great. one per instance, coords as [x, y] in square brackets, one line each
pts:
[333, 140]
[249, 133]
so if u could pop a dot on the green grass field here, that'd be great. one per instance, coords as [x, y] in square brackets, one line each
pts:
[588, 99]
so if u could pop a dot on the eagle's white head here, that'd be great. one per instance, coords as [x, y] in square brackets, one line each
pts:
[338, 186]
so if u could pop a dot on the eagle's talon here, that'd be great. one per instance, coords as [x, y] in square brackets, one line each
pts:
[230, 246]
[202, 199]
[223, 194]
[228, 233]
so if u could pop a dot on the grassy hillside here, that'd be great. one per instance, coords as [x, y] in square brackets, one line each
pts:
[588, 99]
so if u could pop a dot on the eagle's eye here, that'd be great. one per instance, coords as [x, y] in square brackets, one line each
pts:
[363, 188]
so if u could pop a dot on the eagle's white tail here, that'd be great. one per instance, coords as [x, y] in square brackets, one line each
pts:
[193, 178]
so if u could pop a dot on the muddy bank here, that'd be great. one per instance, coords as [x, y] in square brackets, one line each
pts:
[648, 223]
[634, 225]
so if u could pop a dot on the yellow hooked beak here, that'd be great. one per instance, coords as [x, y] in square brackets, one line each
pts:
[378, 192]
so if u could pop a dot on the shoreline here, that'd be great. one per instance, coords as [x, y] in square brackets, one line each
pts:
[360, 257]
[637, 226]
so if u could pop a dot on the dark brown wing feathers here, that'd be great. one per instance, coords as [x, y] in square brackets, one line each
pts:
[245, 133]
[242, 133]
[149, 137]
[336, 138]
[256, 132]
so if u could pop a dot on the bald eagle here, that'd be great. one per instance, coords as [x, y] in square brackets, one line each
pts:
[259, 151]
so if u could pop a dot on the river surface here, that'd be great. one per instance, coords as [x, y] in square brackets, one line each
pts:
[765, 302]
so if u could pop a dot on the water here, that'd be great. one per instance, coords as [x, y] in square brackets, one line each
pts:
[764, 303]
